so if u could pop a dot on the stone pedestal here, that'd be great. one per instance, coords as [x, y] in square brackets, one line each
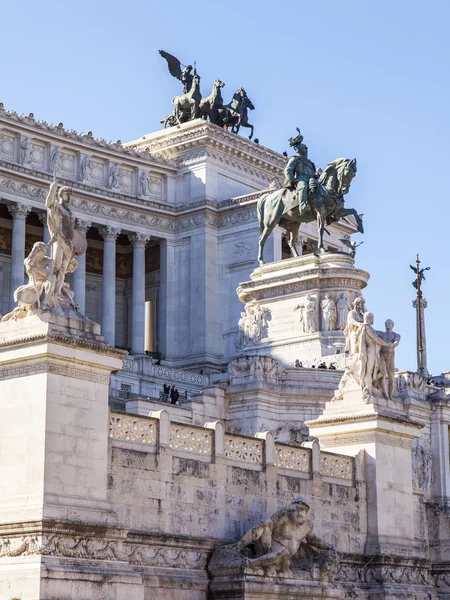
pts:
[254, 587]
[57, 529]
[379, 428]
[287, 298]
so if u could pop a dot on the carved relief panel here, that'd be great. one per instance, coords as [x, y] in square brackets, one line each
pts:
[8, 144]
[67, 163]
[155, 186]
[126, 179]
[97, 170]
[38, 154]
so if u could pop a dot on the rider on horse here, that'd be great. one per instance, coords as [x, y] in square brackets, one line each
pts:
[300, 177]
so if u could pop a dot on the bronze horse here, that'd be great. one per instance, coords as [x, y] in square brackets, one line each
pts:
[235, 114]
[327, 206]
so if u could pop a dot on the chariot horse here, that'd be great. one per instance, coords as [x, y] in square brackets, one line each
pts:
[235, 114]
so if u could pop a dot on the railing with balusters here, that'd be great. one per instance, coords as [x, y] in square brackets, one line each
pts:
[211, 442]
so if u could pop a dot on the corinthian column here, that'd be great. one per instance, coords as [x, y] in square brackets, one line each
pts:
[139, 241]
[19, 213]
[79, 275]
[109, 235]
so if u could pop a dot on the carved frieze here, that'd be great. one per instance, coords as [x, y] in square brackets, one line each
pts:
[56, 369]
[98, 548]
[260, 367]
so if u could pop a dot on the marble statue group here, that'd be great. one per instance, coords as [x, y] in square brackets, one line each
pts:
[370, 363]
[253, 323]
[47, 289]
[192, 105]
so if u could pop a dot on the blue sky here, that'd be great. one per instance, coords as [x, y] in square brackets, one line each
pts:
[361, 79]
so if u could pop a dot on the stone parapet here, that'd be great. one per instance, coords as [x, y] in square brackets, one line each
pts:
[210, 442]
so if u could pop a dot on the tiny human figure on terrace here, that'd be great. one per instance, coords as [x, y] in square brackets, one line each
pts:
[166, 390]
[174, 395]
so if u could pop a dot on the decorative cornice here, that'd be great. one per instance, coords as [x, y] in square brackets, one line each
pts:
[97, 346]
[356, 417]
[85, 138]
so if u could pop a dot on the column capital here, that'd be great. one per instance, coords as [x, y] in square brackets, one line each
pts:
[139, 239]
[82, 225]
[109, 233]
[42, 215]
[19, 210]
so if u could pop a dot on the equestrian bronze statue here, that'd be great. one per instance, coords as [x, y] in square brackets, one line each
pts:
[307, 195]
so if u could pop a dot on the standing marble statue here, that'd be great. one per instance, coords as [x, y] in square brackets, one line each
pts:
[46, 288]
[25, 151]
[143, 184]
[387, 358]
[329, 313]
[310, 314]
[114, 176]
[55, 157]
[370, 346]
[354, 318]
[275, 544]
[61, 226]
[85, 167]
[343, 307]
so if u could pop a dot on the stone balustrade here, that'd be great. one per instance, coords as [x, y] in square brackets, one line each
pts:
[211, 443]
[294, 458]
[132, 429]
[244, 449]
[336, 465]
[191, 439]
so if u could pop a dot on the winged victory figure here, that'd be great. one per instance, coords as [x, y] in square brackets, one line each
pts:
[174, 65]
[351, 245]
[419, 273]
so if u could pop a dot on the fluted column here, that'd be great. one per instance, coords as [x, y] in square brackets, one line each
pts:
[109, 235]
[46, 233]
[79, 275]
[19, 213]
[139, 241]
